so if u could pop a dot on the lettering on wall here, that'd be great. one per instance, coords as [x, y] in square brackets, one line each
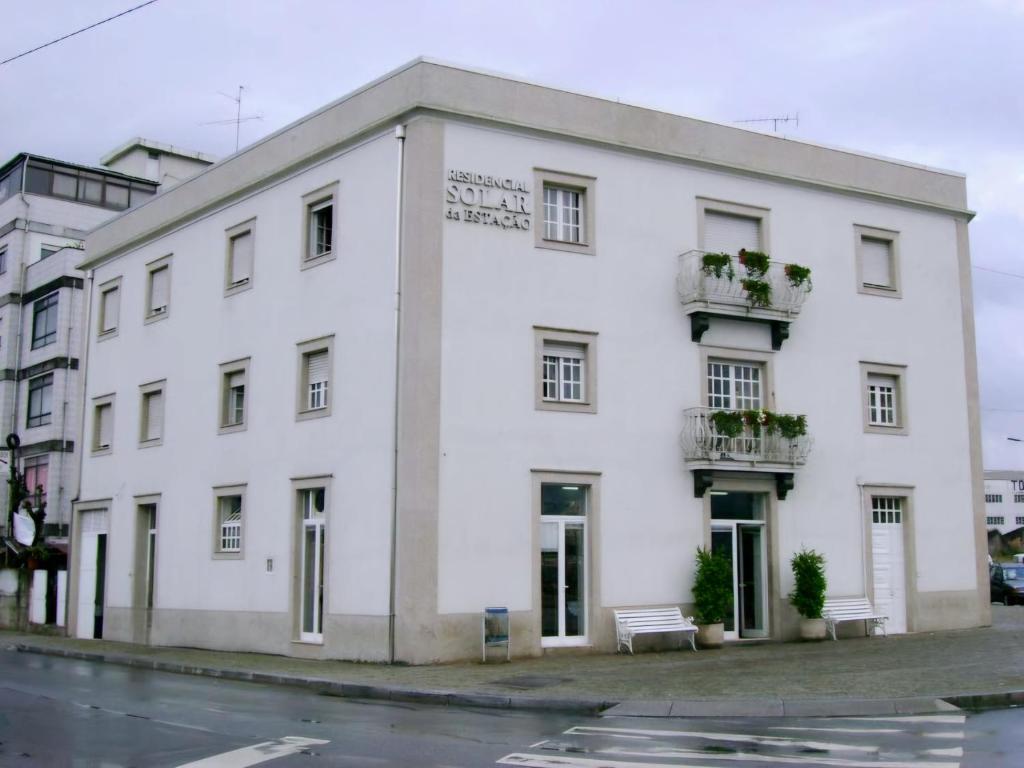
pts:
[1018, 485]
[494, 201]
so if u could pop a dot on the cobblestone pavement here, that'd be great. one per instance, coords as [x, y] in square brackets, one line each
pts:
[987, 661]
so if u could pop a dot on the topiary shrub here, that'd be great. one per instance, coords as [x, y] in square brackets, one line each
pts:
[712, 587]
[808, 595]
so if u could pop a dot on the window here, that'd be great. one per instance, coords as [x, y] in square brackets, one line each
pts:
[565, 211]
[734, 385]
[151, 417]
[319, 239]
[887, 509]
[234, 378]
[146, 514]
[3, 259]
[877, 261]
[36, 472]
[102, 424]
[40, 400]
[883, 388]
[999, 520]
[314, 398]
[1018, 498]
[724, 227]
[47, 251]
[238, 269]
[45, 178]
[1020, 520]
[230, 502]
[310, 564]
[44, 321]
[158, 289]
[110, 307]
[993, 498]
[566, 365]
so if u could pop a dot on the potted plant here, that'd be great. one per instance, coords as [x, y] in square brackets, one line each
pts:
[808, 595]
[718, 265]
[712, 597]
[799, 276]
[759, 292]
[755, 262]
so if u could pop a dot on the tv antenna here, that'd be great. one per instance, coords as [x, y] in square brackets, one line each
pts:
[237, 120]
[774, 121]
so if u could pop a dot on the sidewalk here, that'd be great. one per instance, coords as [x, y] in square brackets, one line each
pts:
[869, 676]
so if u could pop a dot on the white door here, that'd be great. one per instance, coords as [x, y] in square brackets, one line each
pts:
[311, 628]
[887, 555]
[92, 525]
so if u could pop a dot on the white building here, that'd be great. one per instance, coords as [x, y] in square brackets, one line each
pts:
[46, 208]
[1004, 500]
[287, 455]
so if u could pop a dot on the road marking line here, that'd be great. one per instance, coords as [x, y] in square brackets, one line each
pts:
[256, 754]
[773, 741]
[952, 752]
[537, 761]
[757, 757]
[542, 741]
[928, 735]
[955, 719]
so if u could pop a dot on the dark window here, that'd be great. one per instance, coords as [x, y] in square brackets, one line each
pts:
[43, 178]
[40, 400]
[3, 260]
[44, 321]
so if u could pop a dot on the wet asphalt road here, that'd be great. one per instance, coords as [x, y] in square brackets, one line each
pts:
[61, 712]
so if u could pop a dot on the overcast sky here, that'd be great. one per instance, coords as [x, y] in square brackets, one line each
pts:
[933, 82]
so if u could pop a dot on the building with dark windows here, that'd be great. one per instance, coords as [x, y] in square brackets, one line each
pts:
[458, 340]
[46, 208]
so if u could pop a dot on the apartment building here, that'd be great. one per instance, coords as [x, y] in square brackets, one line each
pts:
[46, 208]
[458, 340]
[1004, 500]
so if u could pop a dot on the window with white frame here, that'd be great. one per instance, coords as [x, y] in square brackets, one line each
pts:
[36, 471]
[151, 418]
[158, 289]
[993, 498]
[877, 261]
[234, 379]
[563, 214]
[40, 400]
[44, 321]
[241, 241]
[320, 217]
[229, 523]
[110, 307]
[314, 397]
[882, 408]
[102, 424]
[883, 398]
[997, 520]
[887, 509]
[734, 385]
[566, 367]
[564, 208]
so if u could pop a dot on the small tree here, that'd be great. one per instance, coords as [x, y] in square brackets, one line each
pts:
[712, 587]
[808, 595]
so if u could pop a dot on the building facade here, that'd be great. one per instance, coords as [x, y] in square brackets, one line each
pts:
[1004, 500]
[458, 340]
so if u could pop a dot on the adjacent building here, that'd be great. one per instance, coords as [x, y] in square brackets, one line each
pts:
[457, 340]
[1004, 500]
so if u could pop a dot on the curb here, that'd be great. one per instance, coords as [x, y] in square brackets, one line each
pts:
[338, 688]
[987, 700]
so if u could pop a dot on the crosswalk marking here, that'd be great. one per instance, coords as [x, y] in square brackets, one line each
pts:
[772, 741]
[256, 754]
[535, 761]
[762, 758]
[952, 719]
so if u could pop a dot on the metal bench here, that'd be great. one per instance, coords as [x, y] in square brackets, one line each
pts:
[837, 609]
[647, 621]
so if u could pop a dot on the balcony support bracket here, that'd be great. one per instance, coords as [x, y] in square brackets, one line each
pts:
[700, 322]
[780, 332]
[783, 484]
[702, 480]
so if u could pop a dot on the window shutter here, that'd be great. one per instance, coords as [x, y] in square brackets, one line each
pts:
[241, 258]
[876, 262]
[154, 415]
[571, 351]
[881, 380]
[726, 233]
[316, 367]
[236, 379]
[158, 289]
[105, 426]
[111, 309]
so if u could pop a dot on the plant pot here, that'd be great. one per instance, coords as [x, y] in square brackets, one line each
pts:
[812, 629]
[710, 635]
[33, 563]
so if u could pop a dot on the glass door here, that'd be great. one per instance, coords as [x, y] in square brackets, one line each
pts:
[743, 545]
[312, 601]
[563, 565]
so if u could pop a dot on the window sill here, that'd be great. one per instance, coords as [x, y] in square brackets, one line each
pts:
[318, 413]
[111, 334]
[316, 261]
[563, 405]
[228, 556]
[880, 290]
[155, 317]
[102, 451]
[151, 443]
[227, 429]
[232, 290]
[565, 245]
[879, 429]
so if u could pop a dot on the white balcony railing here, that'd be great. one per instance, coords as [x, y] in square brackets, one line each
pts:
[696, 287]
[703, 443]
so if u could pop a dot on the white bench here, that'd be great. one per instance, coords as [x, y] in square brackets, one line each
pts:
[837, 609]
[647, 621]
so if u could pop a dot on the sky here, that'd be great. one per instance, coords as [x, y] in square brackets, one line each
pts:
[933, 82]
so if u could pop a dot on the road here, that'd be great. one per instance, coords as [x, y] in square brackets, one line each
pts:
[61, 712]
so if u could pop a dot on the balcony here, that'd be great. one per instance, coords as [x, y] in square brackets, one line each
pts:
[704, 295]
[706, 449]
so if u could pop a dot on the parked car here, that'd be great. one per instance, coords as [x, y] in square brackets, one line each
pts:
[1006, 583]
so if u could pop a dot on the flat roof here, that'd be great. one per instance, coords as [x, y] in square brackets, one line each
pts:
[77, 166]
[155, 146]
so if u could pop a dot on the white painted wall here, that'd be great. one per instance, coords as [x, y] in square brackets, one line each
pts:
[497, 286]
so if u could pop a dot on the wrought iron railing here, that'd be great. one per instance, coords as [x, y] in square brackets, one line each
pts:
[697, 287]
[701, 441]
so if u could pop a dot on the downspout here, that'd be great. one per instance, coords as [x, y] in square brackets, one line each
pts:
[64, 411]
[392, 596]
[21, 307]
[83, 366]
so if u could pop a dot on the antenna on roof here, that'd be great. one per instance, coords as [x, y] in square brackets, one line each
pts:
[774, 121]
[237, 120]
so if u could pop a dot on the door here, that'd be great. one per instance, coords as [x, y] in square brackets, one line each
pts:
[889, 574]
[743, 545]
[563, 580]
[91, 564]
[311, 626]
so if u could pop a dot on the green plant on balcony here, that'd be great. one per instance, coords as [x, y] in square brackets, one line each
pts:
[733, 423]
[728, 423]
[759, 292]
[799, 276]
[717, 265]
[789, 426]
[755, 262]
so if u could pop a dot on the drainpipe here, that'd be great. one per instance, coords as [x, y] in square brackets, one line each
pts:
[64, 410]
[392, 596]
[83, 367]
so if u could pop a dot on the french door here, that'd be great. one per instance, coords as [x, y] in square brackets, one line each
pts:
[743, 545]
[312, 583]
[563, 580]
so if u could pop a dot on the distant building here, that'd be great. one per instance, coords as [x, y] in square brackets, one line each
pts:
[1004, 500]
[46, 208]
[457, 340]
